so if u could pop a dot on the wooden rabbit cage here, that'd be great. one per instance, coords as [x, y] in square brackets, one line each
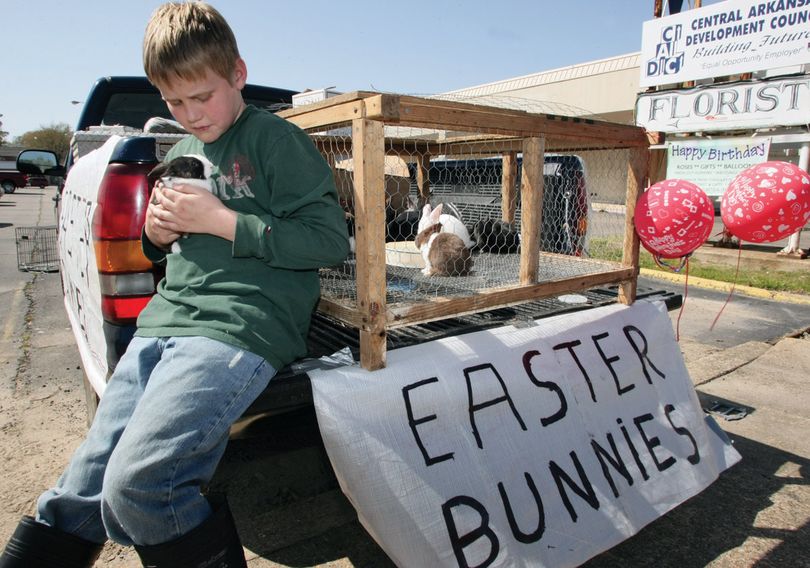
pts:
[391, 154]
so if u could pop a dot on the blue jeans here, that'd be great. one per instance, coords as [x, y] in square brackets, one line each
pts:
[158, 435]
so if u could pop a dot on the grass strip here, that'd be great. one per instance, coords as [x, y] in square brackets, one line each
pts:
[777, 280]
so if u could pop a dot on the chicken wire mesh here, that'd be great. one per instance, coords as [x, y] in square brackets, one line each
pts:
[454, 218]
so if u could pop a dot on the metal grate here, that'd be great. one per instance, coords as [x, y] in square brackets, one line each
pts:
[36, 249]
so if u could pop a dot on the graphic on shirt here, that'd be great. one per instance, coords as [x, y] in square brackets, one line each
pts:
[242, 172]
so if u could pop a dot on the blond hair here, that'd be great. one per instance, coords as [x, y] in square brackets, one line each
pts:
[183, 40]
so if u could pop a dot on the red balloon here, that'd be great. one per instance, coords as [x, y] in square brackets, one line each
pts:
[767, 202]
[673, 218]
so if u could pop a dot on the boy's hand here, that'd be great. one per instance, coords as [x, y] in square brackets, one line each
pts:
[188, 209]
[155, 231]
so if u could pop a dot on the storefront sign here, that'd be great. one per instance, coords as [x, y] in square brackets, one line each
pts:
[712, 164]
[726, 38]
[537, 445]
[780, 102]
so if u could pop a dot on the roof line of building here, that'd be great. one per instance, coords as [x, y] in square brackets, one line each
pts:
[591, 68]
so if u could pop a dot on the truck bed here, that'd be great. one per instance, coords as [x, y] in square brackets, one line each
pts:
[290, 389]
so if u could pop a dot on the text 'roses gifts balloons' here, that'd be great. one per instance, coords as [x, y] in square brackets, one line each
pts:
[673, 218]
[767, 202]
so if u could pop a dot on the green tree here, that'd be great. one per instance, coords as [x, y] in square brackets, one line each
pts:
[3, 133]
[55, 137]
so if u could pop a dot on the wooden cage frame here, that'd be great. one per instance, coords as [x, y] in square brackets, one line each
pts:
[512, 131]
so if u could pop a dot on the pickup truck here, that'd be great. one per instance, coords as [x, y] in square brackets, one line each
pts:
[10, 180]
[107, 284]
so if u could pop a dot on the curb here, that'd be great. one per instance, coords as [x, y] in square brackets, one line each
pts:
[727, 287]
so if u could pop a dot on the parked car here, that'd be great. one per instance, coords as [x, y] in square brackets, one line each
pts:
[10, 180]
[35, 180]
[473, 186]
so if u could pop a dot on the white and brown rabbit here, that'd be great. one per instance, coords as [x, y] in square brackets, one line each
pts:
[445, 253]
[450, 223]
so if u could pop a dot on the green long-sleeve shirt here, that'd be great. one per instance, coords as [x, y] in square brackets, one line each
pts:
[258, 292]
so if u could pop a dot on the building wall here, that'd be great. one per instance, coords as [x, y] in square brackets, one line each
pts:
[603, 90]
[8, 156]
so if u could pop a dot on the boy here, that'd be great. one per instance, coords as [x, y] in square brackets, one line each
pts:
[233, 308]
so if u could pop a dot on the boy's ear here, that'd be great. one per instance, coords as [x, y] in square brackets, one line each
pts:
[239, 73]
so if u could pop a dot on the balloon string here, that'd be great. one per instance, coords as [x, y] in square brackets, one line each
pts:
[683, 304]
[662, 264]
[733, 285]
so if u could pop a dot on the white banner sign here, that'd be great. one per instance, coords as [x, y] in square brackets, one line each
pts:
[80, 278]
[713, 164]
[781, 102]
[726, 38]
[532, 446]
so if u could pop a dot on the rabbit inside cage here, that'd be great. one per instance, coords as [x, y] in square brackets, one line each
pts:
[465, 234]
[513, 184]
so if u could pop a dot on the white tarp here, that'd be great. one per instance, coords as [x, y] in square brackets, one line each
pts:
[80, 278]
[530, 446]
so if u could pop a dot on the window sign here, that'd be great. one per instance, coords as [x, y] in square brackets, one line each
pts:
[712, 164]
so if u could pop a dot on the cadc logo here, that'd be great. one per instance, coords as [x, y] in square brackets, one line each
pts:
[668, 59]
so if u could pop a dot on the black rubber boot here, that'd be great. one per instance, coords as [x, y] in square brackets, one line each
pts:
[37, 545]
[213, 544]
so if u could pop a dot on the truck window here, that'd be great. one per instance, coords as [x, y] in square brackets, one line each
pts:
[134, 109]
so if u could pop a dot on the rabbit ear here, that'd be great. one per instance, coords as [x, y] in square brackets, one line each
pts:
[424, 219]
[436, 213]
[157, 172]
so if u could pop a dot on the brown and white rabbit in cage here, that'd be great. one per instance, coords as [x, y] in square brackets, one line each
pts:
[445, 253]
[450, 223]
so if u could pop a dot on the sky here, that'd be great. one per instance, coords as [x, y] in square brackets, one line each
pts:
[56, 50]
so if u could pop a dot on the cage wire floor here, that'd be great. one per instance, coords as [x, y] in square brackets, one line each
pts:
[408, 285]
[37, 249]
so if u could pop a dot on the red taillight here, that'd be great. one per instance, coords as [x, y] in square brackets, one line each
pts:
[122, 310]
[122, 200]
[127, 283]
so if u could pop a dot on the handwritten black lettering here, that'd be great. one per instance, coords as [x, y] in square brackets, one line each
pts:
[620, 390]
[460, 542]
[569, 346]
[614, 459]
[633, 450]
[560, 414]
[519, 535]
[473, 407]
[415, 422]
[694, 458]
[652, 442]
[585, 491]
[642, 353]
